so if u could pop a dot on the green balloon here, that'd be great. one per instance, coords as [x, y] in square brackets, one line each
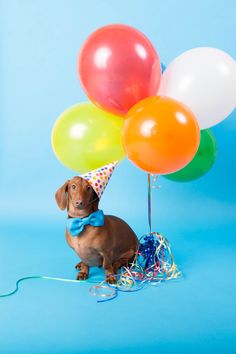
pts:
[202, 161]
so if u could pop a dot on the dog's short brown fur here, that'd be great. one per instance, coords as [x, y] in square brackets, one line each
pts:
[110, 246]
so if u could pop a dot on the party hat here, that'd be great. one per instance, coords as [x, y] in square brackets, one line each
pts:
[99, 178]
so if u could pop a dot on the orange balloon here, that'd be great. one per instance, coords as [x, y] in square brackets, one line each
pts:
[160, 135]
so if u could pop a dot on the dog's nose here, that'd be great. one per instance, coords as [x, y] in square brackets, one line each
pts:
[79, 204]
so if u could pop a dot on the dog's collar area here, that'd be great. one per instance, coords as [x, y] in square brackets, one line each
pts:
[74, 217]
[76, 225]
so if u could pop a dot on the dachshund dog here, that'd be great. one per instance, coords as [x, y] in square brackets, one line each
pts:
[111, 245]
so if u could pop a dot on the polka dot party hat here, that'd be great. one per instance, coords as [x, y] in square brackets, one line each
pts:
[99, 178]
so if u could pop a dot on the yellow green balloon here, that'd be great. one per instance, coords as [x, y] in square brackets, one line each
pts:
[84, 137]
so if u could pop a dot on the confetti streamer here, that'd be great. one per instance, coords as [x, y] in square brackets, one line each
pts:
[153, 263]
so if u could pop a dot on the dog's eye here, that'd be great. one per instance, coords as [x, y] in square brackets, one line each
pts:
[73, 186]
[88, 188]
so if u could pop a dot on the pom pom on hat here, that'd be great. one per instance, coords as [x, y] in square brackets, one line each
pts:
[99, 178]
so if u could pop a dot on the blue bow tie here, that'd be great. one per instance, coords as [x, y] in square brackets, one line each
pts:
[76, 225]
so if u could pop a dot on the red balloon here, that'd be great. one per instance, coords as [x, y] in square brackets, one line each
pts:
[118, 66]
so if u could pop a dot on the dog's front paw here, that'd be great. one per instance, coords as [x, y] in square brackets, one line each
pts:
[82, 276]
[78, 265]
[111, 279]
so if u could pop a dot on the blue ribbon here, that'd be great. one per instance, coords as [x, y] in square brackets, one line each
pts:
[76, 225]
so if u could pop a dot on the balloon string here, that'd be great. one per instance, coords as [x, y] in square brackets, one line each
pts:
[42, 277]
[149, 203]
[152, 183]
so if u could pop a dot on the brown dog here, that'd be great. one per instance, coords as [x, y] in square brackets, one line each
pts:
[111, 245]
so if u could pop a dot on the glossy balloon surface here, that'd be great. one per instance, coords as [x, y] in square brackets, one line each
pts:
[85, 137]
[204, 79]
[118, 66]
[160, 135]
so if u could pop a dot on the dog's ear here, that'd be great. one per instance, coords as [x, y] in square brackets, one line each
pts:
[61, 197]
[95, 202]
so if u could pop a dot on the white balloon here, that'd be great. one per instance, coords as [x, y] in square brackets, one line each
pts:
[204, 79]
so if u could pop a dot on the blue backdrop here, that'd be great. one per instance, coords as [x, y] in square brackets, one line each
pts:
[40, 41]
